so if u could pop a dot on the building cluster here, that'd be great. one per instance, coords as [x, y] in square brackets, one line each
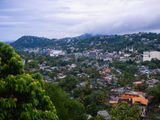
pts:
[46, 51]
[117, 94]
[111, 56]
[56, 53]
[132, 96]
[125, 55]
[149, 55]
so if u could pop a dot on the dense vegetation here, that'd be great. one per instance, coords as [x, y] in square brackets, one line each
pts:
[32, 42]
[67, 109]
[22, 96]
[123, 111]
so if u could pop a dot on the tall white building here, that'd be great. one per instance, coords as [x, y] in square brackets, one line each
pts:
[148, 56]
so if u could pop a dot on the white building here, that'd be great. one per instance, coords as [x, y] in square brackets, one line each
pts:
[55, 53]
[148, 56]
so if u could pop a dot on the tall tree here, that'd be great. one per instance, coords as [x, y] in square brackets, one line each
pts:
[22, 96]
[67, 109]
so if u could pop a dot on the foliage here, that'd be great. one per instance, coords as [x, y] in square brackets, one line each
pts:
[32, 42]
[68, 83]
[123, 111]
[95, 101]
[128, 72]
[97, 118]
[155, 92]
[153, 64]
[22, 96]
[67, 109]
[10, 61]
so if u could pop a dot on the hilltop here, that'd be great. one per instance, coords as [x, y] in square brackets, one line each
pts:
[32, 42]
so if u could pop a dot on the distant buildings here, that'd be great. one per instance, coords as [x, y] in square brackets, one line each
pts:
[93, 54]
[148, 56]
[106, 56]
[45, 51]
[151, 83]
[55, 53]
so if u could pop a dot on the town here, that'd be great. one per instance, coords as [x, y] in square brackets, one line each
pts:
[112, 76]
[79, 60]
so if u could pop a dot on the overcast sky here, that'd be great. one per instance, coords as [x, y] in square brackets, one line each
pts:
[63, 18]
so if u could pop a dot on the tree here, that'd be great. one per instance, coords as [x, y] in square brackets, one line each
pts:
[10, 61]
[155, 92]
[68, 83]
[22, 96]
[123, 111]
[95, 101]
[67, 109]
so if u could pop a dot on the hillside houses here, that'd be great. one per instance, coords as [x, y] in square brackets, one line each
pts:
[131, 97]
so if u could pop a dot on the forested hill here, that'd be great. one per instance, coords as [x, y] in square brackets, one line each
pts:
[32, 42]
[41, 42]
[140, 41]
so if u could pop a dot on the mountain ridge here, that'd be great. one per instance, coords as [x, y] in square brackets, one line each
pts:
[86, 41]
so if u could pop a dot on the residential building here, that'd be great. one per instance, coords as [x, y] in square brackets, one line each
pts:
[149, 55]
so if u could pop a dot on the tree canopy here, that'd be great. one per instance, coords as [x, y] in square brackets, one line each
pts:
[67, 109]
[22, 96]
[123, 111]
[155, 92]
[10, 61]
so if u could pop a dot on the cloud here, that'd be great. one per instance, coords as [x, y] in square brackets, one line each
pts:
[61, 18]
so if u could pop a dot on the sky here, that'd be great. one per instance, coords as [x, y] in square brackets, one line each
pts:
[65, 18]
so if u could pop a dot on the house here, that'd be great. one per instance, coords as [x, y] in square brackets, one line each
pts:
[149, 55]
[73, 65]
[61, 76]
[82, 84]
[114, 100]
[104, 114]
[108, 79]
[93, 54]
[55, 53]
[106, 71]
[144, 70]
[135, 97]
[120, 90]
[138, 83]
[152, 83]
[106, 56]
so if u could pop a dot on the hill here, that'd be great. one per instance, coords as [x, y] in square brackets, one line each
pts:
[32, 42]
[138, 41]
